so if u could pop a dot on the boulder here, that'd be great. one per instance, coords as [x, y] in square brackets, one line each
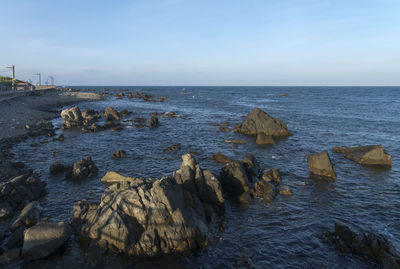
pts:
[29, 216]
[221, 158]
[15, 193]
[111, 114]
[264, 190]
[320, 164]
[272, 175]
[119, 154]
[251, 166]
[369, 244]
[72, 117]
[82, 169]
[234, 178]
[263, 139]
[257, 121]
[90, 116]
[43, 239]
[153, 122]
[57, 168]
[366, 155]
[152, 217]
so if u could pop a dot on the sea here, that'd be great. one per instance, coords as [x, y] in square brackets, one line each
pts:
[285, 234]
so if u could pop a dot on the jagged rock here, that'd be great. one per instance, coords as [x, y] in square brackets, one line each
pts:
[90, 116]
[264, 190]
[82, 169]
[9, 256]
[29, 216]
[112, 177]
[41, 128]
[257, 121]
[119, 154]
[57, 168]
[150, 217]
[16, 192]
[272, 175]
[153, 122]
[367, 155]
[375, 246]
[72, 117]
[43, 239]
[320, 164]
[111, 114]
[251, 166]
[221, 158]
[263, 139]
[83, 211]
[234, 178]
[174, 147]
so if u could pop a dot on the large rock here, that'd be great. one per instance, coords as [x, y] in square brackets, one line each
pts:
[320, 164]
[234, 178]
[82, 169]
[45, 238]
[375, 246]
[72, 117]
[367, 155]
[150, 217]
[29, 215]
[111, 114]
[257, 121]
[15, 193]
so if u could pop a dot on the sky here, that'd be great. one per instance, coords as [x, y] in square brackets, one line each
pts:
[203, 42]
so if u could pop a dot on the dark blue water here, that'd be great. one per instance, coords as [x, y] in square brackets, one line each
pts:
[284, 234]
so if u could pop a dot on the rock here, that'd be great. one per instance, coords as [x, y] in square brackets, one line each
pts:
[110, 125]
[320, 164]
[9, 256]
[113, 177]
[129, 95]
[221, 158]
[263, 139]
[41, 128]
[264, 190]
[6, 211]
[284, 95]
[90, 116]
[29, 216]
[375, 246]
[224, 129]
[16, 192]
[257, 121]
[82, 169]
[170, 114]
[94, 128]
[111, 114]
[124, 113]
[234, 178]
[251, 166]
[83, 210]
[43, 239]
[153, 122]
[57, 168]
[17, 238]
[285, 190]
[174, 147]
[72, 117]
[60, 138]
[366, 155]
[234, 141]
[272, 175]
[152, 217]
[119, 154]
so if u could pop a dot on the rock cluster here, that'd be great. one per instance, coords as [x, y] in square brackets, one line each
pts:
[257, 121]
[150, 217]
[375, 246]
[320, 164]
[41, 128]
[82, 169]
[15, 193]
[366, 155]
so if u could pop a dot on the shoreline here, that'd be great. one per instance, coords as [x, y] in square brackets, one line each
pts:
[28, 108]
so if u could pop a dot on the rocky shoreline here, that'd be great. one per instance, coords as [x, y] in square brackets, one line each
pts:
[149, 217]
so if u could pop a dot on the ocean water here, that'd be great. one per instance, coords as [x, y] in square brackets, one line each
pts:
[286, 233]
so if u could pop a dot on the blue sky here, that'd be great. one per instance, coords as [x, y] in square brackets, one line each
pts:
[203, 42]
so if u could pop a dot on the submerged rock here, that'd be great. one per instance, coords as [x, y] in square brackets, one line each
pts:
[57, 168]
[366, 155]
[43, 239]
[320, 164]
[221, 158]
[82, 169]
[257, 121]
[375, 246]
[151, 217]
[119, 154]
[153, 122]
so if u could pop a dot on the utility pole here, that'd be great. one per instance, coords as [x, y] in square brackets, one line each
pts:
[13, 76]
[40, 78]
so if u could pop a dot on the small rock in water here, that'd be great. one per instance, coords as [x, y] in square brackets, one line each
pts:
[320, 165]
[285, 190]
[153, 122]
[119, 154]
[82, 169]
[366, 155]
[57, 168]
[174, 147]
